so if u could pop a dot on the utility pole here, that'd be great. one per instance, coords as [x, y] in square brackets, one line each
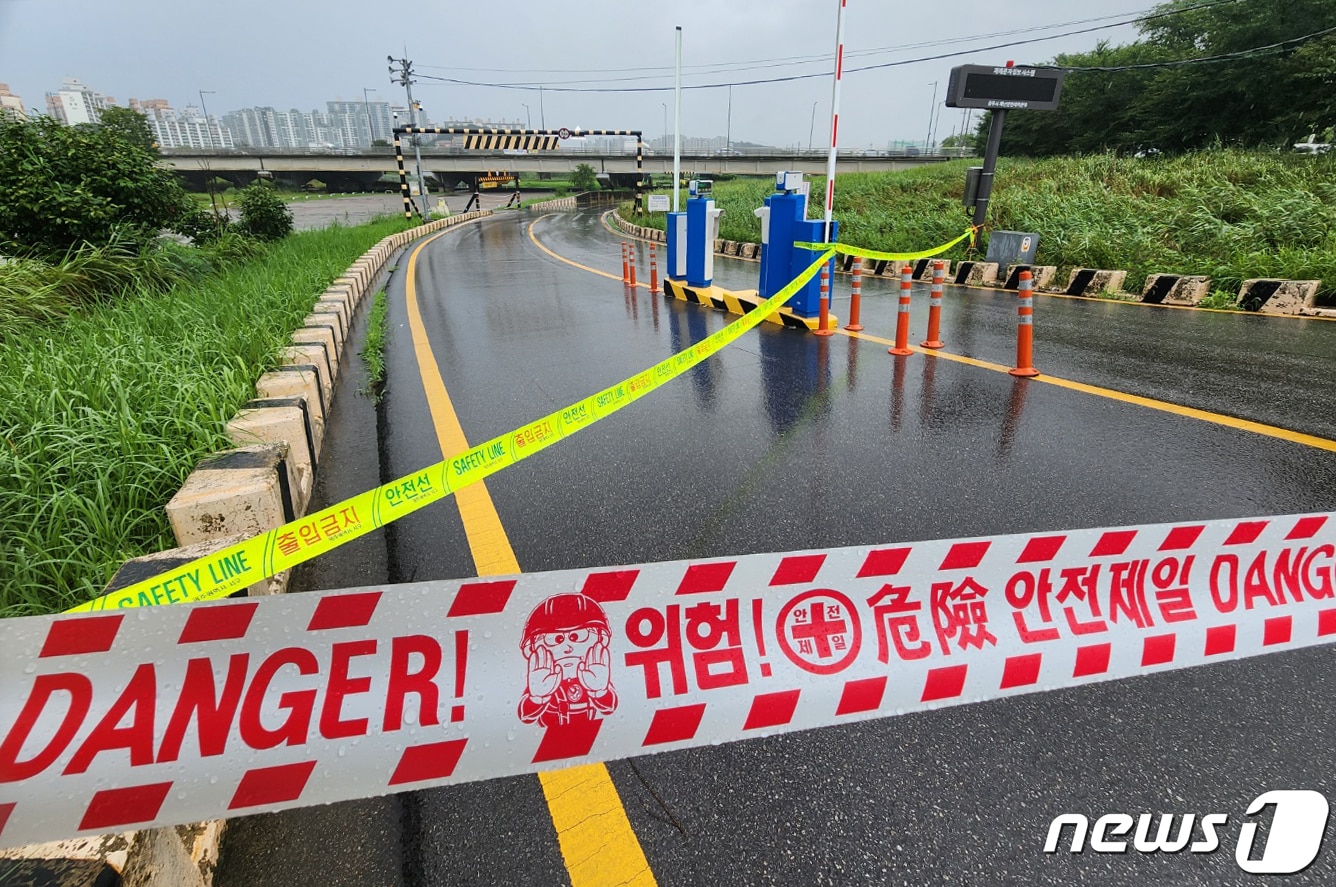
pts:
[542, 115]
[728, 137]
[366, 104]
[927, 144]
[208, 134]
[405, 79]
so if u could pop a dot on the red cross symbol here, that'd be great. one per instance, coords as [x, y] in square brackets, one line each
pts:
[820, 629]
[812, 639]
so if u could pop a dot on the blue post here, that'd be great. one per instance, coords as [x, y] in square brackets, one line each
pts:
[676, 268]
[785, 225]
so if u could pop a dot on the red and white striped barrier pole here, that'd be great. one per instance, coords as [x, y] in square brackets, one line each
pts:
[902, 318]
[632, 258]
[823, 316]
[834, 118]
[626, 264]
[1025, 327]
[934, 339]
[856, 299]
[653, 272]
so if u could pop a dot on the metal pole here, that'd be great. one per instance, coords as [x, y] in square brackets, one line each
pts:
[369, 127]
[927, 143]
[205, 108]
[417, 150]
[665, 125]
[989, 165]
[542, 115]
[728, 136]
[528, 117]
[811, 128]
[834, 118]
[677, 123]
[640, 171]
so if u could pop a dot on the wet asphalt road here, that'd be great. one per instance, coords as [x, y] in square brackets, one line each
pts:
[788, 441]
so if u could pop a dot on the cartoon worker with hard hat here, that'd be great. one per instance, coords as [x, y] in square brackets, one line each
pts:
[570, 669]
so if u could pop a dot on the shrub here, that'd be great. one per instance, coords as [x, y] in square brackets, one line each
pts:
[264, 215]
[201, 225]
[62, 186]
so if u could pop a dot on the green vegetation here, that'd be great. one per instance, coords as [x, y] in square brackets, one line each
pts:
[36, 291]
[373, 351]
[63, 186]
[584, 178]
[1271, 98]
[264, 215]
[1227, 213]
[103, 414]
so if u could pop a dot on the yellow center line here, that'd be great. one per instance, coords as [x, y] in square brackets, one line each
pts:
[597, 841]
[1151, 403]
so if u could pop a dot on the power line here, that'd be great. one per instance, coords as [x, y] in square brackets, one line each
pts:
[808, 76]
[783, 61]
[1254, 52]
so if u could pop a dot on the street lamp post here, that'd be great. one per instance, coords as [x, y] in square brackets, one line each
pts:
[205, 108]
[728, 137]
[371, 129]
[811, 128]
[665, 124]
[528, 117]
[927, 149]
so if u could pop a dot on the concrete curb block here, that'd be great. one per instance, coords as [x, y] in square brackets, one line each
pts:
[975, 273]
[284, 421]
[1175, 289]
[296, 381]
[317, 356]
[1094, 281]
[923, 269]
[1043, 276]
[243, 492]
[556, 204]
[1269, 295]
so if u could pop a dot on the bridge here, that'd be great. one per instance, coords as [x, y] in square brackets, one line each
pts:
[360, 169]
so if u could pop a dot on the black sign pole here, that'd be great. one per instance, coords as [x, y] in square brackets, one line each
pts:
[989, 165]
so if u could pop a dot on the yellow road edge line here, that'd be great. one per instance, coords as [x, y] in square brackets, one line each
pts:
[597, 842]
[563, 258]
[1308, 440]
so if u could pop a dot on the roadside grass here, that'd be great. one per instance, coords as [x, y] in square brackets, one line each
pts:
[373, 349]
[1227, 213]
[36, 291]
[104, 413]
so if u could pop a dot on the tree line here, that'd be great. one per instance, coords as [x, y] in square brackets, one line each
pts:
[1258, 98]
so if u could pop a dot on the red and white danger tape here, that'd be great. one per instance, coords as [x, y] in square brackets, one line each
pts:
[178, 714]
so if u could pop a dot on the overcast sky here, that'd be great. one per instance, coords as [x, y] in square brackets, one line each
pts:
[298, 55]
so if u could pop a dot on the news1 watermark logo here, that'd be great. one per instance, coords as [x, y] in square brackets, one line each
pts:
[1290, 845]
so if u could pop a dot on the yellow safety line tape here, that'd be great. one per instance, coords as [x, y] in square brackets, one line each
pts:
[596, 839]
[246, 563]
[847, 250]
[1308, 440]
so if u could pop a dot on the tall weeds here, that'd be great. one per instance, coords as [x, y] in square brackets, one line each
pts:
[104, 413]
